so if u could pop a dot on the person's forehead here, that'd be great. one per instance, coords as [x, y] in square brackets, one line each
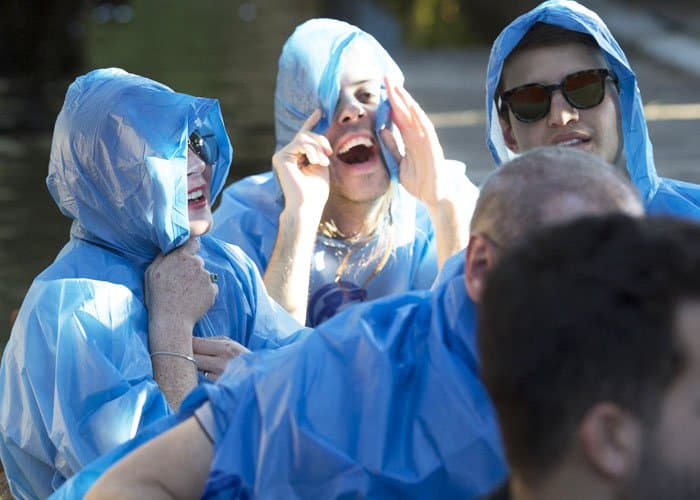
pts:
[361, 62]
[549, 64]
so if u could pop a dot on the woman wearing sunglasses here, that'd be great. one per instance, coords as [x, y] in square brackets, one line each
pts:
[557, 76]
[136, 166]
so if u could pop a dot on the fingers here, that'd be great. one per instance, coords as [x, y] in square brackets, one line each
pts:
[391, 145]
[309, 138]
[306, 149]
[178, 285]
[191, 246]
[213, 354]
[413, 122]
[406, 112]
[325, 145]
[399, 108]
[418, 116]
[217, 346]
[314, 155]
[311, 121]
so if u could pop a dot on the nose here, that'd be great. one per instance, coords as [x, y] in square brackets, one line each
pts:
[350, 110]
[195, 165]
[561, 113]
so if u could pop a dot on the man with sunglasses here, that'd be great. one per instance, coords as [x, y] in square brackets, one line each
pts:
[557, 76]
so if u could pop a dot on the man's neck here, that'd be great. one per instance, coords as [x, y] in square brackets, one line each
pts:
[353, 219]
[566, 483]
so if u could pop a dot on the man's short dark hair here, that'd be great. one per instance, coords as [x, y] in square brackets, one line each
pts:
[579, 314]
[538, 36]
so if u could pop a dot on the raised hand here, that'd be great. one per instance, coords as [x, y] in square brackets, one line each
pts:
[422, 169]
[440, 184]
[302, 169]
[178, 291]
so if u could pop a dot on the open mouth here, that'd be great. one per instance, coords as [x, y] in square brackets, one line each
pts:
[573, 142]
[356, 150]
[196, 197]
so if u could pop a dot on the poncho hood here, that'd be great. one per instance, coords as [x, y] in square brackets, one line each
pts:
[574, 16]
[118, 164]
[309, 77]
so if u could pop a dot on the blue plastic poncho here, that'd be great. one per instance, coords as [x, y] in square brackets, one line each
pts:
[383, 401]
[76, 377]
[308, 78]
[660, 195]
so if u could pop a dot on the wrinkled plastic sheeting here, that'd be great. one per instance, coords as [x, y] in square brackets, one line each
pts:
[383, 401]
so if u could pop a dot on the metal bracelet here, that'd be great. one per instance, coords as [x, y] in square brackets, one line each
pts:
[177, 355]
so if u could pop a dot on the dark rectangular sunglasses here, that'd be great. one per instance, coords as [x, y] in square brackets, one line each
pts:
[204, 146]
[531, 102]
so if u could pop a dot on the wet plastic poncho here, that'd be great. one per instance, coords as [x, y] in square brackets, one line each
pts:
[308, 78]
[660, 195]
[76, 378]
[383, 401]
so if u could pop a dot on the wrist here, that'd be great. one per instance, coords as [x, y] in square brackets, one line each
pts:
[170, 335]
[455, 190]
[300, 220]
[443, 210]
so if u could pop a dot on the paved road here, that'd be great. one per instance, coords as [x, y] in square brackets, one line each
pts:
[450, 86]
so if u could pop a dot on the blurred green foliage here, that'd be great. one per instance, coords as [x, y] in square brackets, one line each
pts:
[445, 23]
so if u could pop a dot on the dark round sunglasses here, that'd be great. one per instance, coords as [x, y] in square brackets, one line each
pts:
[203, 146]
[531, 102]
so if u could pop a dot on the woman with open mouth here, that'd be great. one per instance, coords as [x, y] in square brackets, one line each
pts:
[94, 356]
[348, 213]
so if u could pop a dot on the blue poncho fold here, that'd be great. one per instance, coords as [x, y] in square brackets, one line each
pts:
[382, 401]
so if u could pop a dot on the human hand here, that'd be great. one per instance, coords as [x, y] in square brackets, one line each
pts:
[302, 169]
[178, 291]
[214, 353]
[422, 170]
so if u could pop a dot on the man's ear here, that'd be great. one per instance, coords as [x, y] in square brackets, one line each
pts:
[611, 440]
[508, 136]
[480, 258]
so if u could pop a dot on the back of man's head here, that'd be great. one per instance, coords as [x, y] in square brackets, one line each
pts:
[549, 185]
[581, 314]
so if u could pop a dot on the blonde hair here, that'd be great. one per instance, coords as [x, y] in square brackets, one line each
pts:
[380, 225]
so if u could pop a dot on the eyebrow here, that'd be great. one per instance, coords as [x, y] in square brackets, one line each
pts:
[368, 80]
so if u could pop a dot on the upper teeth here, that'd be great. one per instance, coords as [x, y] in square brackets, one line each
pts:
[356, 141]
[570, 142]
[197, 193]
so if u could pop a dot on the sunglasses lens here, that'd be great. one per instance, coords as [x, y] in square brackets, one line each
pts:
[204, 146]
[585, 90]
[529, 103]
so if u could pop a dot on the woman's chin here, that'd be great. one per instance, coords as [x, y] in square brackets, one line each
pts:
[199, 227]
